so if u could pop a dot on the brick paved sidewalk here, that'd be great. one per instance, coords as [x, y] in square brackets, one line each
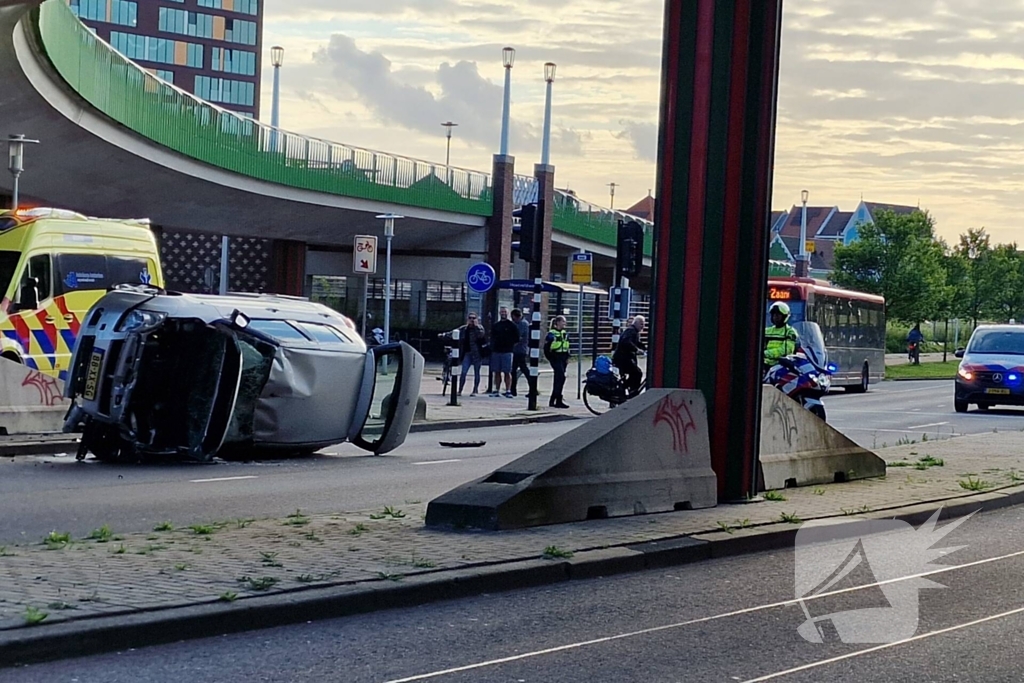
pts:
[61, 580]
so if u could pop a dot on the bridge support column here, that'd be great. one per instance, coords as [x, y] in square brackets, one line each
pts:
[499, 230]
[716, 150]
[545, 175]
[289, 267]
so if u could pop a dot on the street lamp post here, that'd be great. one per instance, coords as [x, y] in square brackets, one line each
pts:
[277, 59]
[448, 150]
[508, 60]
[16, 162]
[549, 78]
[613, 186]
[802, 264]
[389, 232]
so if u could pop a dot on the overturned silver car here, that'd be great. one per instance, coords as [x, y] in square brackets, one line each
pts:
[163, 374]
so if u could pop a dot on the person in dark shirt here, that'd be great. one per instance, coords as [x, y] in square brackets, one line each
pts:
[521, 351]
[625, 354]
[504, 337]
[472, 339]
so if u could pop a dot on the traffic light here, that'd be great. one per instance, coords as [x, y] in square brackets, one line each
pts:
[629, 253]
[528, 238]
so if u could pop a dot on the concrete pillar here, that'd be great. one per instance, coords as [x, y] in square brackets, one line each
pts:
[716, 148]
[288, 258]
[545, 175]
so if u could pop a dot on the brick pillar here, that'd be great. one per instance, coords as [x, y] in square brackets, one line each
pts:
[499, 225]
[545, 176]
[288, 258]
[712, 219]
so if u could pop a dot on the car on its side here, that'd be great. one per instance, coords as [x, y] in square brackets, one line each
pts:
[164, 374]
[991, 371]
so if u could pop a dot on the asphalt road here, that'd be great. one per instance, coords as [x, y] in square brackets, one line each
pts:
[724, 620]
[42, 494]
[892, 411]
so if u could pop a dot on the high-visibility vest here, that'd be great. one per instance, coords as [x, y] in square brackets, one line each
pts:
[779, 342]
[560, 344]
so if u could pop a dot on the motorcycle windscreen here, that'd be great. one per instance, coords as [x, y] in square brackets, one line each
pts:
[812, 341]
[387, 399]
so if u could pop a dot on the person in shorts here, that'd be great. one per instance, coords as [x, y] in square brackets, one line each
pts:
[504, 337]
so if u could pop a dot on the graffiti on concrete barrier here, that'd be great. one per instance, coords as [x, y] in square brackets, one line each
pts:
[784, 415]
[679, 419]
[50, 393]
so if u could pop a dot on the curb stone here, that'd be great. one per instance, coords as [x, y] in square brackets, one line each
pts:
[155, 627]
[446, 425]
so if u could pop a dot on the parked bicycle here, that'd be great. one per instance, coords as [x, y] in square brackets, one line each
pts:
[604, 389]
[446, 370]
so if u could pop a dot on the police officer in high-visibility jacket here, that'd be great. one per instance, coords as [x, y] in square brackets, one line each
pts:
[779, 338]
[556, 350]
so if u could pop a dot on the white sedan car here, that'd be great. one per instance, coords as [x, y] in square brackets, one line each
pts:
[162, 374]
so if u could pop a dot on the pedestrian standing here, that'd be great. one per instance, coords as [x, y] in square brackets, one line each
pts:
[556, 350]
[521, 351]
[504, 337]
[472, 340]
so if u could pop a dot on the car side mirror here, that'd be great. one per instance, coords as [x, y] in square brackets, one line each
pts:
[959, 353]
[29, 299]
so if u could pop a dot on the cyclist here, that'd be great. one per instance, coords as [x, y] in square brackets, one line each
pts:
[625, 354]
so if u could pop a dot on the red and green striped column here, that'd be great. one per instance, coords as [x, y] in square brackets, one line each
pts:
[716, 150]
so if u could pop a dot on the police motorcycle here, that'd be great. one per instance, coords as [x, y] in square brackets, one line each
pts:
[806, 375]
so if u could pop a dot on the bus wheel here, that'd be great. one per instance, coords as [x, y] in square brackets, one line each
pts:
[865, 379]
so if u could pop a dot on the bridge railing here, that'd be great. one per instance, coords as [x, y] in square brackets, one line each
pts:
[576, 217]
[203, 131]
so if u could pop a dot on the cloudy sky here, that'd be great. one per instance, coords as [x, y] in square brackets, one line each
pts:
[909, 102]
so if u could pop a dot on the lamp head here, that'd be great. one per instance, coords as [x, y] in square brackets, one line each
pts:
[508, 57]
[277, 55]
[549, 72]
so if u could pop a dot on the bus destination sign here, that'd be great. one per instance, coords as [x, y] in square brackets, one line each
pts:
[780, 294]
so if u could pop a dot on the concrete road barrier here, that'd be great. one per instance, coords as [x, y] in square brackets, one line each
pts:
[649, 455]
[30, 402]
[799, 449]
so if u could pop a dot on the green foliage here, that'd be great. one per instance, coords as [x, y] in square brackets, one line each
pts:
[898, 257]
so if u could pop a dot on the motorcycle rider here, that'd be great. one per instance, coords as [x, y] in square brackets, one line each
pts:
[780, 339]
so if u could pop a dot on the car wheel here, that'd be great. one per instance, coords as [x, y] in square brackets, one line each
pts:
[960, 406]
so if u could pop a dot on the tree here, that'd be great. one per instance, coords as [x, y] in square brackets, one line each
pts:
[899, 258]
[974, 286]
[1004, 274]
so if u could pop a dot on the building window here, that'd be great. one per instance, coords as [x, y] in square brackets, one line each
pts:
[225, 90]
[239, 31]
[240, 6]
[165, 75]
[121, 12]
[153, 49]
[234, 61]
[186, 23]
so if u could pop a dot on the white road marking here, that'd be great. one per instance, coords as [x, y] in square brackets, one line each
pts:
[934, 424]
[873, 429]
[207, 481]
[437, 462]
[877, 648]
[717, 617]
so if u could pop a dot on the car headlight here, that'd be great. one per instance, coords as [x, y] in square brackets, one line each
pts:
[139, 319]
[965, 373]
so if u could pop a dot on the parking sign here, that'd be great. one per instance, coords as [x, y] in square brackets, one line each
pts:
[364, 254]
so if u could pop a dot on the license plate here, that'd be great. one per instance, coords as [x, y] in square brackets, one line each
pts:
[999, 392]
[92, 378]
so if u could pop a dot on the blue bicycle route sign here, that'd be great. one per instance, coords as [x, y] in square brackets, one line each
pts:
[481, 277]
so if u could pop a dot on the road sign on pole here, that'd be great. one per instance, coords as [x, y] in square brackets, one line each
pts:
[481, 278]
[364, 254]
[582, 268]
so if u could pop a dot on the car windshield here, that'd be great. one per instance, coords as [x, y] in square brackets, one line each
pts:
[1007, 342]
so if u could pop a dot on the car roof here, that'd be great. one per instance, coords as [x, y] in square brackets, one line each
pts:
[1003, 327]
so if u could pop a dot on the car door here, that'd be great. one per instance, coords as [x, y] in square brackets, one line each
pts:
[381, 426]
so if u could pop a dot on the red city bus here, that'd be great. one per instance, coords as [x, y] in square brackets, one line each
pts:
[853, 324]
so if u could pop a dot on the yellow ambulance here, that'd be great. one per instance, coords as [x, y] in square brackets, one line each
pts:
[54, 265]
